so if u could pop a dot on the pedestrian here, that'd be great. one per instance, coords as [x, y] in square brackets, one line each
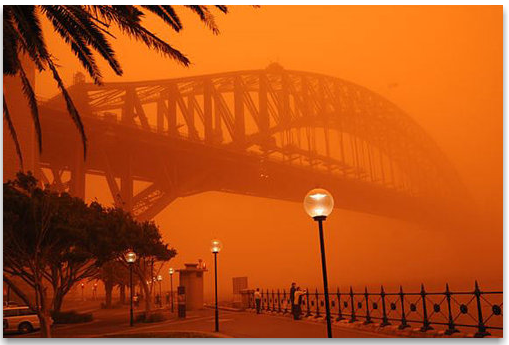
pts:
[297, 302]
[292, 295]
[258, 300]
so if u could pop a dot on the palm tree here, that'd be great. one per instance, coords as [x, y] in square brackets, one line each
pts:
[85, 29]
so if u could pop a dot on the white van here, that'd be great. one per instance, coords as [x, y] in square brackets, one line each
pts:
[20, 319]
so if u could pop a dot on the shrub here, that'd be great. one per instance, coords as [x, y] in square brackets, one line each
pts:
[71, 316]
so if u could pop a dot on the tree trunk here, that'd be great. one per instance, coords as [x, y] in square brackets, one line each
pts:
[148, 298]
[58, 300]
[45, 321]
[122, 293]
[108, 287]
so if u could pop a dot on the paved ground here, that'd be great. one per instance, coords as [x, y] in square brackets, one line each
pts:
[232, 324]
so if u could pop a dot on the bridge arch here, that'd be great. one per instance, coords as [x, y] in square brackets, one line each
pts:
[273, 119]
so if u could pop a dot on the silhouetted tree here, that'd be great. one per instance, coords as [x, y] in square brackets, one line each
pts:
[53, 238]
[29, 242]
[85, 29]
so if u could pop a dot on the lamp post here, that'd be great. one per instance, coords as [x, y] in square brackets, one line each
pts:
[171, 287]
[154, 279]
[95, 291]
[216, 248]
[160, 279]
[82, 291]
[130, 257]
[318, 204]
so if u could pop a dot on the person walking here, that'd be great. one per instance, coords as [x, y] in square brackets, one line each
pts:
[292, 296]
[297, 302]
[258, 300]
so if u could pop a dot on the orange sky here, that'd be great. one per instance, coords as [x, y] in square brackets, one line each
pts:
[442, 65]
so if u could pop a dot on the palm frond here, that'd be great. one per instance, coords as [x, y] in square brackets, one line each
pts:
[70, 106]
[79, 34]
[29, 31]
[167, 14]
[32, 102]
[222, 8]
[12, 130]
[205, 16]
[10, 47]
[127, 18]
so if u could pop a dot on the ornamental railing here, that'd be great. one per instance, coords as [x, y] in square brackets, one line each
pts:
[450, 310]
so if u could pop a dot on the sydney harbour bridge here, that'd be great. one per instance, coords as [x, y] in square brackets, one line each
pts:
[271, 133]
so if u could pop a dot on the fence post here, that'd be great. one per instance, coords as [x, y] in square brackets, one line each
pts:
[308, 312]
[340, 314]
[278, 302]
[317, 304]
[425, 322]
[285, 302]
[352, 304]
[481, 332]
[366, 298]
[268, 300]
[385, 321]
[450, 329]
[403, 324]
[273, 301]
[261, 301]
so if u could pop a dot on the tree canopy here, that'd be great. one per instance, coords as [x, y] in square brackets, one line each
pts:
[55, 238]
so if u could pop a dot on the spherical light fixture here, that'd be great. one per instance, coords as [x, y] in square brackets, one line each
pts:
[318, 203]
[159, 278]
[171, 270]
[215, 246]
[130, 257]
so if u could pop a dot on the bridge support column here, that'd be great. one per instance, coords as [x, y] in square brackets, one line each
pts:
[126, 185]
[240, 126]
[78, 173]
[207, 111]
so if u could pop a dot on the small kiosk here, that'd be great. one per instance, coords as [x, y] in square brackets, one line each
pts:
[191, 278]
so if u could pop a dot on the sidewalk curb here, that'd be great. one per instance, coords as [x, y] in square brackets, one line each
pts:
[392, 330]
[224, 308]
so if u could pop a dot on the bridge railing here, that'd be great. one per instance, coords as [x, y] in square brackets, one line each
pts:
[448, 310]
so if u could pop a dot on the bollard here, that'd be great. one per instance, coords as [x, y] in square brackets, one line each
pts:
[366, 298]
[404, 323]
[352, 304]
[308, 312]
[425, 322]
[340, 314]
[481, 331]
[450, 325]
[385, 320]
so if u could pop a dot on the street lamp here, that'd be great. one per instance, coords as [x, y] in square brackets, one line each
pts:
[216, 248]
[82, 291]
[171, 287]
[130, 257]
[160, 279]
[95, 291]
[319, 203]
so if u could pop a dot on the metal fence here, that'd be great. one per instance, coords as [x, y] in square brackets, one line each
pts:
[450, 310]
